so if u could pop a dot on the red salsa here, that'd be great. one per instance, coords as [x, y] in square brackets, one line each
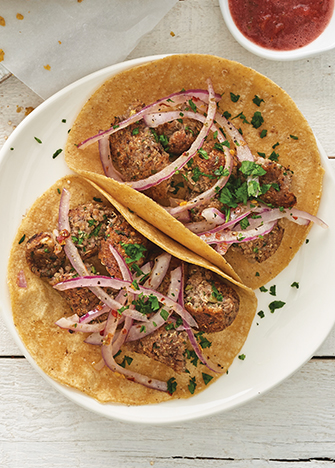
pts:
[281, 24]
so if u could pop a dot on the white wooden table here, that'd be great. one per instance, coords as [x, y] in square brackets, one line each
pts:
[291, 426]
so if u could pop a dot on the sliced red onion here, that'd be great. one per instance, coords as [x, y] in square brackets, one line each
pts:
[232, 237]
[126, 275]
[298, 216]
[179, 163]
[222, 248]
[106, 160]
[94, 339]
[243, 152]
[108, 356]
[169, 101]
[21, 279]
[94, 314]
[125, 272]
[213, 215]
[115, 283]
[200, 227]
[159, 270]
[80, 327]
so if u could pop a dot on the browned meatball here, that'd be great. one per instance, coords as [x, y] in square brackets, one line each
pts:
[180, 134]
[137, 154]
[261, 249]
[165, 346]
[88, 226]
[213, 304]
[281, 194]
[44, 255]
[122, 236]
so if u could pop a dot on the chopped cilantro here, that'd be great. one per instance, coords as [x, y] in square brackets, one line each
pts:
[192, 105]
[257, 100]
[135, 285]
[261, 314]
[257, 120]
[22, 239]
[263, 133]
[63, 120]
[242, 117]
[273, 290]
[294, 137]
[276, 305]
[126, 360]
[171, 385]
[215, 293]
[133, 251]
[203, 153]
[38, 140]
[226, 114]
[135, 131]
[274, 156]
[191, 354]
[206, 378]
[221, 172]
[295, 285]
[192, 385]
[234, 97]
[143, 329]
[204, 343]
[242, 357]
[250, 168]
[98, 200]
[244, 223]
[263, 289]
[164, 314]
[262, 155]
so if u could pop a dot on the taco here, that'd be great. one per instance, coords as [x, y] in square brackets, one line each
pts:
[228, 168]
[107, 304]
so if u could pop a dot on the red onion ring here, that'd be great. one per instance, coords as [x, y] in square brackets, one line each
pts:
[106, 160]
[108, 356]
[158, 272]
[231, 237]
[169, 101]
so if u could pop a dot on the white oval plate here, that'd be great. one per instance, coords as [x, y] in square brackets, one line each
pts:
[277, 345]
[323, 43]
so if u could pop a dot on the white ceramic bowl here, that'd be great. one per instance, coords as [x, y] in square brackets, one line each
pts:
[326, 41]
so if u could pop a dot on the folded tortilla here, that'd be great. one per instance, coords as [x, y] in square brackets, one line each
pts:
[64, 356]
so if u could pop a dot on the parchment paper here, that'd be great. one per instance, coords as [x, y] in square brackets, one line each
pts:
[49, 44]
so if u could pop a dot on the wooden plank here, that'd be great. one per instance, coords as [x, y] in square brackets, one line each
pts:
[35, 417]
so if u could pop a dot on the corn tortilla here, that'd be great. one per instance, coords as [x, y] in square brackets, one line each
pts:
[283, 121]
[64, 356]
